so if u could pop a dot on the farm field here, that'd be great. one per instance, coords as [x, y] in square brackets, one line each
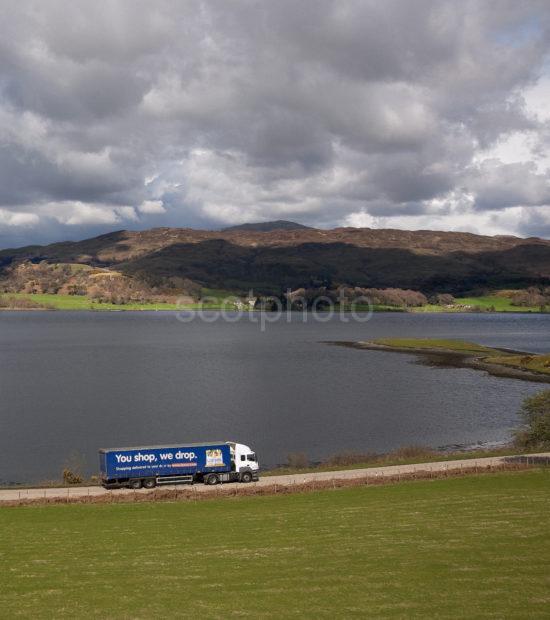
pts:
[476, 547]
[487, 303]
[224, 299]
[81, 302]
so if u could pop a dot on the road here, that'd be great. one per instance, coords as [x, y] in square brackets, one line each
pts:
[10, 495]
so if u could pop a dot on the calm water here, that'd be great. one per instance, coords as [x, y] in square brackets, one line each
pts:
[75, 382]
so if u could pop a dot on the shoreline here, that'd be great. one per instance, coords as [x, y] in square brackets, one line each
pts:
[271, 485]
[449, 358]
[469, 452]
[223, 308]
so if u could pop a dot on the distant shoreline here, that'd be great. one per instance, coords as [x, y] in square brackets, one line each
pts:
[230, 301]
[503, 363]
[219, 308]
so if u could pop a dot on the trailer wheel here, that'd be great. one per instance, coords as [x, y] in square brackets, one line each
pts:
[213, 479]
[135, 484]
[149, 483]
[246, 476]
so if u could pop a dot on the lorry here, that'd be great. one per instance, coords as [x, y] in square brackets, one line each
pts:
[184, 463]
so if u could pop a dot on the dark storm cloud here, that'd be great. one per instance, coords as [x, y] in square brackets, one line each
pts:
[132, 114]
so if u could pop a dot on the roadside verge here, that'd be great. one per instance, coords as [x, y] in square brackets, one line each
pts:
[297, 483]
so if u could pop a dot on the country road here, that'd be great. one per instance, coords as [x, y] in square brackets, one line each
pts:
[15, 494]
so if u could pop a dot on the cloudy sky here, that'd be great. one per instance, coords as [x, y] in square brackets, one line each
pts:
[404, 114]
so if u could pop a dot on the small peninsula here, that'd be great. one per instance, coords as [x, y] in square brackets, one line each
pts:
[450, 353]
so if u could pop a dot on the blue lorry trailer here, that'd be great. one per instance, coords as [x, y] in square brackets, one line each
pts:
[149, 466]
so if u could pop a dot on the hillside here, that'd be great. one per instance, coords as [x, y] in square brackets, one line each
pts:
[268, 226]
[271, 261]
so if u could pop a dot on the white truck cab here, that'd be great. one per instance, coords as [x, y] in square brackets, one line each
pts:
[245, 461]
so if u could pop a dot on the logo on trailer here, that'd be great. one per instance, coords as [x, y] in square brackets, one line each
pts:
[214, 458]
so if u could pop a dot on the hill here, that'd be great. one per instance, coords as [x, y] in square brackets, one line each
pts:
[268, 226]
[271, 261]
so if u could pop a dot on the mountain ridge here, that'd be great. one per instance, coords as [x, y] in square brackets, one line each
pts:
[272, 260]
[267, 226]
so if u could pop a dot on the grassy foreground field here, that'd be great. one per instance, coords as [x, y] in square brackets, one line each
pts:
[472, 547]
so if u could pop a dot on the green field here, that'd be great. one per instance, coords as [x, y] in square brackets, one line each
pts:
[221, 299]
[472, 547]
[494, 303]
[213, 300]
[447, 344]
[536, 363]
[539, 364]
[81, 302]
[500, 304]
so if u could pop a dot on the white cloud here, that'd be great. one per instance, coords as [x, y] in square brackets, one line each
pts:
[537, 97]
[357, 112]
[17, 218]
[79, 213]
[360, 219]
[149, 207]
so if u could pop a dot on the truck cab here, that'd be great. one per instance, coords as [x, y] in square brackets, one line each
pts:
[244, 461]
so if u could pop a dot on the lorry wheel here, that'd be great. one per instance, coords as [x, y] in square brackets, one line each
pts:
[246, 477]
[213, 479]
[149, 483]
[135, 484]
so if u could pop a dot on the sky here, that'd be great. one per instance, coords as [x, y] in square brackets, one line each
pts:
[397, 114]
